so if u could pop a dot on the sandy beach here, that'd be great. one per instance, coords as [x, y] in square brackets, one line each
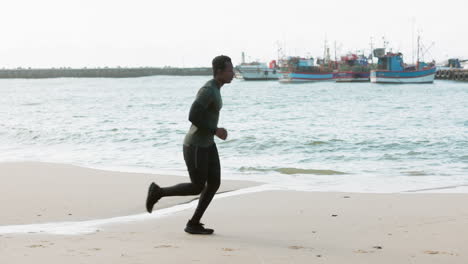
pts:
[47, 192]
[262, 227]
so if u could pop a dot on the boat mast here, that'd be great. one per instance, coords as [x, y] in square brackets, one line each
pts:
[325, 49]
[335, 52]
[385, 42]
[279, 51]
[417, 53]
[412, 40]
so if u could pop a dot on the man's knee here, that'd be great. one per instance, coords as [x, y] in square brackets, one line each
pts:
[213, 186]
[198, 188]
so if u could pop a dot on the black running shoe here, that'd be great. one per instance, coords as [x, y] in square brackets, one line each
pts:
[154, 194]
[197, 229]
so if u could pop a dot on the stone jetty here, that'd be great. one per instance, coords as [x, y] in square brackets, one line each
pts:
[22, 73]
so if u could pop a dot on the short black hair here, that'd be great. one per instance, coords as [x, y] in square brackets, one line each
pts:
[219, 63]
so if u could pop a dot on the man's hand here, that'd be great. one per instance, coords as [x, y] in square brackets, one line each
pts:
[221, 133]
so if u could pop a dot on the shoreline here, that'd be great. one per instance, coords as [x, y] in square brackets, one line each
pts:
[439, 188]
[95, 225]
[253, 224]
[169, 205]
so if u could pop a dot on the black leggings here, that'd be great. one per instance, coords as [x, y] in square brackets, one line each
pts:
[205, 176]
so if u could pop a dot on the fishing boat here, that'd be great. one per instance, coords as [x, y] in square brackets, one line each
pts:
[353, 68]
[297, 69]
[255, 71]
[391, 69]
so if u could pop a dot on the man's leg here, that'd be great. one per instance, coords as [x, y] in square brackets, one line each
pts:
[213, 182]
[195, 159]
[209, 167]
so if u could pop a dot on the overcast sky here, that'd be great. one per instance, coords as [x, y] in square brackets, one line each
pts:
[97, 33]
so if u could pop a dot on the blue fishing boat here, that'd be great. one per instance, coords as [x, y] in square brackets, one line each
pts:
[391, 69]
[297, 69]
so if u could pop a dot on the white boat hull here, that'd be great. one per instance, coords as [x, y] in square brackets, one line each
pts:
[264, 75]
[258, 72]
[423, 79]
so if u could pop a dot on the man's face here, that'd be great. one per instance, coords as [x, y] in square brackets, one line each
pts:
[228, 74]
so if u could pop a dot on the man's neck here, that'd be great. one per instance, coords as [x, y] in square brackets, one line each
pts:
[219, 83]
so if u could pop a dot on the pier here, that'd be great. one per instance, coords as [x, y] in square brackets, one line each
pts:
[452, 74]
[118, 72]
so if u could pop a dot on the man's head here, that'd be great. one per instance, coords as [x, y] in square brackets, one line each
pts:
[222, 69]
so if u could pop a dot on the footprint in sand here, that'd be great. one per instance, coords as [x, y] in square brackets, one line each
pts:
[367, 251]
[165, 246]
[37, 246]
[360, 251]
[435, 252]
[295, 247]
[45, 241]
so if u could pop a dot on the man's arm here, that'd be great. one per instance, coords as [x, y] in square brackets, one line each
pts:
[197, 116]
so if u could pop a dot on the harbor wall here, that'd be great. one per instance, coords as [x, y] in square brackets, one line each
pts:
[100, 72]
[452, 74]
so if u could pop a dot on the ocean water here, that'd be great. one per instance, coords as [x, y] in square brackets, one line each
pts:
[357, 137]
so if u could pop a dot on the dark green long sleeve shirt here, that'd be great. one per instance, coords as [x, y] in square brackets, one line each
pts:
[204, 115]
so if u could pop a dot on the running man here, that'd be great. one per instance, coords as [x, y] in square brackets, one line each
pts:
[200, 152]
